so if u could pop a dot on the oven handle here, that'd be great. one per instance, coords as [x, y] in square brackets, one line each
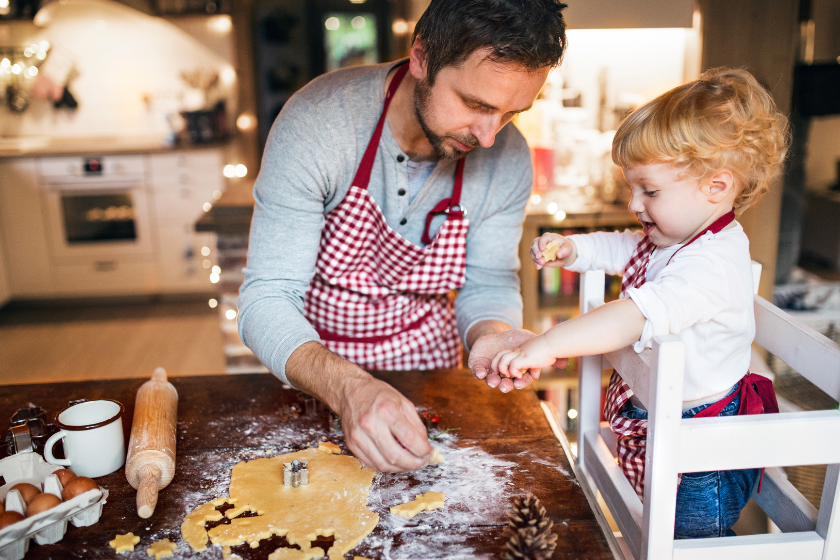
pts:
[93, 184]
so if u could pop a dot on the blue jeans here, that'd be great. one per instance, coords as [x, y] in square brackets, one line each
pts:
[708, 503]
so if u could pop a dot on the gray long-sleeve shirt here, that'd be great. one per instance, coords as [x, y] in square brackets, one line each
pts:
[310, 159]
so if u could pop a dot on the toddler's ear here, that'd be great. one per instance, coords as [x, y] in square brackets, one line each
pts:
[720, 186]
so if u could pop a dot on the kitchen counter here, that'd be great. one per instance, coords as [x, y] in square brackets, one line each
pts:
[22, 146]
[504, 447]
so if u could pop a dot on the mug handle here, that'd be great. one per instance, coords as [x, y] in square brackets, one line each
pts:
[48, 449]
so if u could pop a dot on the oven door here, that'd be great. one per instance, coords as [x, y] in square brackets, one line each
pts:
[93, 222]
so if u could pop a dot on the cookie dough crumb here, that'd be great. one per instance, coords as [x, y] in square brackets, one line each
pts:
[161, 549]
[436, 457]
[427, 501]
[124, 543]
[550, 252]
[328, 447]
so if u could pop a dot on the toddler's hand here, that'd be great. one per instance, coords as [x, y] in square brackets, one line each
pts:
[552, 250]
[530, 357]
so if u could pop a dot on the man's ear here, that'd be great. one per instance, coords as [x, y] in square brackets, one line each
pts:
[719, 186]
[417, 59]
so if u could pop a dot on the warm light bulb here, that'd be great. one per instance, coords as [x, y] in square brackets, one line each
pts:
[536, 199]
[33, 71]
[245, 122]
[16, 69]
[205, 251]
[241, 170]
[217, 195]
[220, 24]
[399, 27]
[559, 216]
[552, 207]
[216, 269]
[214, 278]
[207, 206]
[230, 314]
[206, 263]
[229, 171]
[332, 23]
[358, 22]
[5, 63]
[212, 303]
[572, 413]
[42, 55]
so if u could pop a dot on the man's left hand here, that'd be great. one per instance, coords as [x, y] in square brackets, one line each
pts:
[486, 347]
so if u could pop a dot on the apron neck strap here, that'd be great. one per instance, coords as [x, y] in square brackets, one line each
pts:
[447, 205]
[716, 227]
[362, 178]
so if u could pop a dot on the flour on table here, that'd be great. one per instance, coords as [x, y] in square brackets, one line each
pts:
[332, 504]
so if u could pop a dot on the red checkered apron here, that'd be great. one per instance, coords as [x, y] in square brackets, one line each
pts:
[632, 433]
[378, 300]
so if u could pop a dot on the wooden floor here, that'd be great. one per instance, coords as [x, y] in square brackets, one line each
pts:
[70, 343]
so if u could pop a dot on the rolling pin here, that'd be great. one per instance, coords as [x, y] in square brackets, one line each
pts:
[150, 464]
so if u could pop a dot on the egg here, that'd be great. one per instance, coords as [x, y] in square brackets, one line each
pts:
[78, 485]
[9, 518]
[27, 491]
[64, 476]
[41, 503]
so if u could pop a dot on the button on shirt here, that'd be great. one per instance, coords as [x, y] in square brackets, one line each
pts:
[704, 296]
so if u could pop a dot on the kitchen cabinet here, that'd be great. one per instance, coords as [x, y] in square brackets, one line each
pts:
[111, 225]
[5, 293]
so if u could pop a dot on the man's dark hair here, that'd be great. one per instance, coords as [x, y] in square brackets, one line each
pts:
[528, 33]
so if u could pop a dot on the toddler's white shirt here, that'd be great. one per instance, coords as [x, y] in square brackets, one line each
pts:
[704, 296]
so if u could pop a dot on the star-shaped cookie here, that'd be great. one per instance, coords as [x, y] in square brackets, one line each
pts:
[328, 447]
[427, 501]
[124, 543]
[161, 549]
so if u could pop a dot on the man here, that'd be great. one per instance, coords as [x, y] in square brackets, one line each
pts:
[382, 190]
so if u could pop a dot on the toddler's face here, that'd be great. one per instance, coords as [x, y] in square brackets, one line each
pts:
[670, 206]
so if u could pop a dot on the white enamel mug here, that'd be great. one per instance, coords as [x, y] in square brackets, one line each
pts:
[94, 444]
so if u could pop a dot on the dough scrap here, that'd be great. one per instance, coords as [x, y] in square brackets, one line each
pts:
[436, 457]
[161, 549]
[332, 504]
[550, 252]
[124, 543]
[328, 447]
[427, 501]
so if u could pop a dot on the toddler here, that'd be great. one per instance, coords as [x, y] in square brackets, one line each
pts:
[693, 157]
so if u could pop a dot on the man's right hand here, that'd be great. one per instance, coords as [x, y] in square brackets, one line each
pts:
[381, 427]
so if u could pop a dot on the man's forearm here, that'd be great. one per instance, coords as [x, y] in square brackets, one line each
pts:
[483, 328]
[319, 372]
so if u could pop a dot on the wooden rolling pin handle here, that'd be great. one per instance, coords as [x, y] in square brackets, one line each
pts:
[147, 490]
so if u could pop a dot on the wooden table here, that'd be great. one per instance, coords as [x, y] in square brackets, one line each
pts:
[504, 447]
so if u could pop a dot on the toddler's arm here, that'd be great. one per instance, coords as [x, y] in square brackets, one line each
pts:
[552, 250]
[612, 326]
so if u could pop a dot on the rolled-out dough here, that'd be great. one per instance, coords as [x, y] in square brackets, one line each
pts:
[427, 501]
[332, 504]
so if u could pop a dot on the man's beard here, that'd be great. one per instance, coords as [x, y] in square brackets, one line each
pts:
[422, 96]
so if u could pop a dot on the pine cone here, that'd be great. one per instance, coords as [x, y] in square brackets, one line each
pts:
[527, 544]
[529, 528]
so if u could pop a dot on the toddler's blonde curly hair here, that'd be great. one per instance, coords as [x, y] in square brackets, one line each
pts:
[723, 120]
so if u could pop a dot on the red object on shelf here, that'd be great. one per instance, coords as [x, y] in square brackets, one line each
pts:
[569, 282]
[543, 169]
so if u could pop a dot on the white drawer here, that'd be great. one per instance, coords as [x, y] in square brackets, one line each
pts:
[183, 204]
[189, 167]
[105, 277]
[122, 167]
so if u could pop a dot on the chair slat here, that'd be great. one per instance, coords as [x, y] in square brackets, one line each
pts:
[625, 505]
[775, 546]
[811, 354]
[635, 371]
[784, 504]
[766, 440]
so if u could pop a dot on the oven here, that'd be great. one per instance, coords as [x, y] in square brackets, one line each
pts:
[96, 209]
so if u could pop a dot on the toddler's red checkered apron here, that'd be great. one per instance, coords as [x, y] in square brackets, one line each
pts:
[632, 433]
[378, 300]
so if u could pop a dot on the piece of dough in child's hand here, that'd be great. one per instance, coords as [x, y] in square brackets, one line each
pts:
[427, 501]
[124, 543]
[550, 252]
[436, 457]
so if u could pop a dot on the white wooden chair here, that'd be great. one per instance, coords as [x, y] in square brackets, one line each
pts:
[675, 445]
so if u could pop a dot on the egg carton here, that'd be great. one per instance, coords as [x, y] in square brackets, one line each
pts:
[47, 527]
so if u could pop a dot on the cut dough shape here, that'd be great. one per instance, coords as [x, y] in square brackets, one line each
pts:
[436, 457]
[550, 252]
[427, 501]
[295, 554]
[124, 543]
[328, 447]
[361, 558]
[332, 504]
[161, 549]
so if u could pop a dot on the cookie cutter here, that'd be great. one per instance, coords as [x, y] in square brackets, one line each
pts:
[296, 473]
[29, 430]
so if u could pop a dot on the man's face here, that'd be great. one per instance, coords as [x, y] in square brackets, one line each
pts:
[470, 103]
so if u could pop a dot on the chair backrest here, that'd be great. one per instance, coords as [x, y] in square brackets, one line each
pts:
[675, 445]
